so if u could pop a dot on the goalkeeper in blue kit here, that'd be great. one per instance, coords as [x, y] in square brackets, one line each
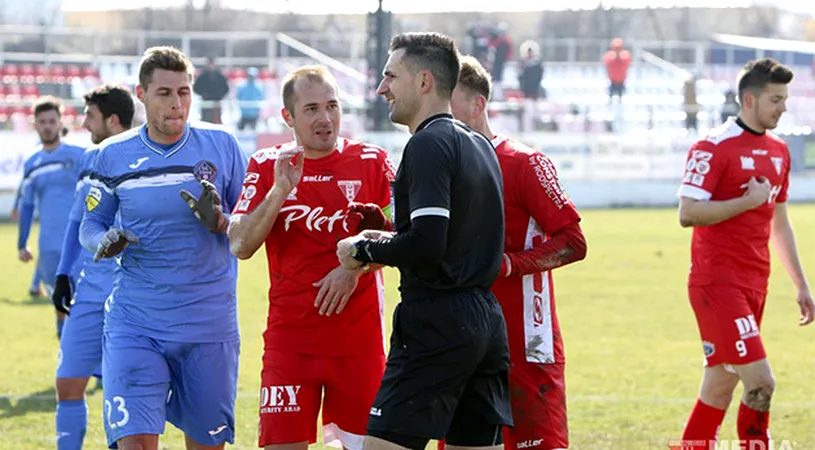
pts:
[171, 341]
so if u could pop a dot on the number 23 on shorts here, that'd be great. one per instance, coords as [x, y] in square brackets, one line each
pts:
[116, 403]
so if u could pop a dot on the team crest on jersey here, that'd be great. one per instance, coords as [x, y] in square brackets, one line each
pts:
[205, 170]
[778, 163]
[350, 188]
[93, 198]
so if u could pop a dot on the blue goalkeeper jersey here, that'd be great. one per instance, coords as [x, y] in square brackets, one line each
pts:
[179, 282]
[49, 179]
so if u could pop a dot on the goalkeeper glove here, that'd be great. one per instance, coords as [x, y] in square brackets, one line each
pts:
[62, 296]
[366, 216]
[113, 243]
[207, 209]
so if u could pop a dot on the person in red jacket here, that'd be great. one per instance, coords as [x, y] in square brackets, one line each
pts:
[617, 61]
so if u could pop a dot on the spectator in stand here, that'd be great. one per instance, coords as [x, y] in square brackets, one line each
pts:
[617, 60]
[530, 76]
[500, 51]
[691, 105]
[730, 107]
[250, 95]
[479, 41]
[213, 87]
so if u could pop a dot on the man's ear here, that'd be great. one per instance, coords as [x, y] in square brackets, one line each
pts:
[480, 105]
[425, 81]
[112, 121]
[287, 117]
[140, 93]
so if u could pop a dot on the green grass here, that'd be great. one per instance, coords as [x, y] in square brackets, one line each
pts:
[634, 357]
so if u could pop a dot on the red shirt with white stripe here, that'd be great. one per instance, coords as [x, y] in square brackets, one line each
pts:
[535, 208]
[301, 248]
[736, 251]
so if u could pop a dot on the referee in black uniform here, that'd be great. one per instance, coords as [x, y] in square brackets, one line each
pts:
[446, 374]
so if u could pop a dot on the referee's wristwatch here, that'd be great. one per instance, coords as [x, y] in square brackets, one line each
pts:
[360, 251]
[354, 250]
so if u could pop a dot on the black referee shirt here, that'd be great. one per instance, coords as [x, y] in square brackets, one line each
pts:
[448, 212]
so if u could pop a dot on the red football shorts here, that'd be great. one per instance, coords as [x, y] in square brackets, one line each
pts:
[538, 396]
[729, 318]
[293, 386]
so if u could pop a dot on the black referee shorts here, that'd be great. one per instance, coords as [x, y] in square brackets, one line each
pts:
[446, 374]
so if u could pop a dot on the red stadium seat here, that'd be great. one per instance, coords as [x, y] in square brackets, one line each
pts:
[90, 72]
[27, 73]
[5, 113]
[21, 110]
[266, 74]
[236, 74]
[73, 71]
[11, 73]
[3, 90]
[513, 95]
[57, 73]
[30, 91]
[69, 113]
[40, 73]
[14, 92]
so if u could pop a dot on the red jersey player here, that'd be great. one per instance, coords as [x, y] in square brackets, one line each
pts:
[324, 337]
[734, 194]
[542, 232]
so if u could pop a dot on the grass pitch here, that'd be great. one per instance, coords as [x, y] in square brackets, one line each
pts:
[634, 359]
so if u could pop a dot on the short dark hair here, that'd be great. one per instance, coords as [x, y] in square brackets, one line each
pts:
[431, 51]
[165, 58]
[313, 72]
[113, 99]
[47, 103]
[757, 74]
[474, 77]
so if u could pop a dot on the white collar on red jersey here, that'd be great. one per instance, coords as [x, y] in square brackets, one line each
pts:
[341, 143]
[498, 140]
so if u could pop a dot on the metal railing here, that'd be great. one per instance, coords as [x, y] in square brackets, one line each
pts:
[261, 48]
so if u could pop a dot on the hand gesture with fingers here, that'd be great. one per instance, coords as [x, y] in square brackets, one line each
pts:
[376, 235]
[207, 208]
[113, 243]
[807, 306]
[288, 169]
[335, 290]
[758, 190]
[366, 216]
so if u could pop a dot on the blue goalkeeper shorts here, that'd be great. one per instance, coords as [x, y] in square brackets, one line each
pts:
[80, 348]
[148, 382]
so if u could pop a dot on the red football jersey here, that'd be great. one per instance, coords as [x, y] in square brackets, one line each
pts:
[535, 207]
[735, 251]
[301, 248]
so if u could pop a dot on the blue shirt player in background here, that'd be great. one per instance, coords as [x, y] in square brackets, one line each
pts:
[34, 290]
[171, 342]
[109, 111]
[49, 179]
